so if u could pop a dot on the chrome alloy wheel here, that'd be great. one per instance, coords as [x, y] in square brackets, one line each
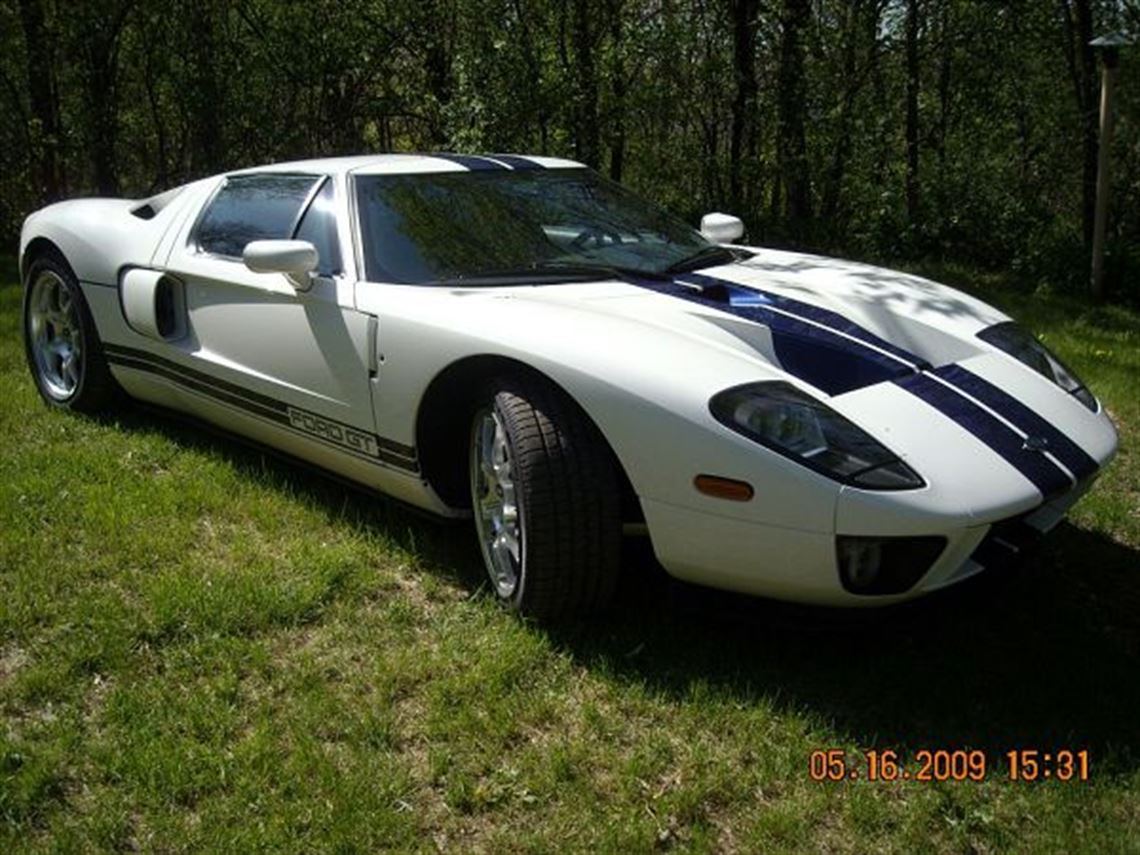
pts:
[494, 494]
[55, 335]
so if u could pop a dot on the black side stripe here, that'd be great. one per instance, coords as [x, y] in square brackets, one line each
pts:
[242, 391]
[350, 440]
[1046, 476]
[470, 161]
[514, 161]
[192, 374]
[1072, 456]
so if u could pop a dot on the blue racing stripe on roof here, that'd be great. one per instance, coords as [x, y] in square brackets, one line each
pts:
[1045, 475]
[515, 161]
[471, 161]
[1071, 455]
[817, 314]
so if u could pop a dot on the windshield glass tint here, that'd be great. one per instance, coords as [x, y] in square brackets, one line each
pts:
[446, 226]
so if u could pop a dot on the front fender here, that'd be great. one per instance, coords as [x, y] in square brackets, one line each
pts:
[647, 391]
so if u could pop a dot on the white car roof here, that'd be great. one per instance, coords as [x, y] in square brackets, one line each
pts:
[382, 164]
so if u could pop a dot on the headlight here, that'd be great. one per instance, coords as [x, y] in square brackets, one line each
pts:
[1020, 343]
[784, 419]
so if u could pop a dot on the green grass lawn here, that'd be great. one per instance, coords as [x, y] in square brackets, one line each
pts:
[202, 648]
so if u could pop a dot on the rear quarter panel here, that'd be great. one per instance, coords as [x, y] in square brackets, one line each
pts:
[99, 237]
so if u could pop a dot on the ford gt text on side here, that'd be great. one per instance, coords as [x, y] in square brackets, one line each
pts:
[520, 340]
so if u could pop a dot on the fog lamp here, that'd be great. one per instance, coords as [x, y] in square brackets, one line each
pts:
[885, 565]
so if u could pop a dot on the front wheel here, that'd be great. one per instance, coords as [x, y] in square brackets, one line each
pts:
[546, 501]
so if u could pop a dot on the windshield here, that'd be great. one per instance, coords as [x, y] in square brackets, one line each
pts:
[448, 227]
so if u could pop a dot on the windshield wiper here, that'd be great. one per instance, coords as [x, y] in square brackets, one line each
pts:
[706, 256]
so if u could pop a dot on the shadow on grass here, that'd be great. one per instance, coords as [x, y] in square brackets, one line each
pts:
[1045, 657]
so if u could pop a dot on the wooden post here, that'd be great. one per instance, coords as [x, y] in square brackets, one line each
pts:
[1110, 59]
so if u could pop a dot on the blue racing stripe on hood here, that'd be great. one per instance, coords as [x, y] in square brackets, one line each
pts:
[1072, 456]
[813, 353]
[807, 311]
[1046, 476]
[837, 355]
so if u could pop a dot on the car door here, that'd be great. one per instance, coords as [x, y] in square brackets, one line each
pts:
[298, 360]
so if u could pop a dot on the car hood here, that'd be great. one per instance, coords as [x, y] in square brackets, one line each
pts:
[897, 354]
[833, 325]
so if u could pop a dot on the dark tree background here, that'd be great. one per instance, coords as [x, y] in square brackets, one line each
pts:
[957, 130]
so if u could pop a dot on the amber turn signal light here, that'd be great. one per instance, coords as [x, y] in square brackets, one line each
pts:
[723, 488]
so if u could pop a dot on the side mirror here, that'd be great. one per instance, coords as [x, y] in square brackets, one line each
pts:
[297, 259]
[722, 228]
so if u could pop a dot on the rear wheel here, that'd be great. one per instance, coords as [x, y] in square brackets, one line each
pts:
[546, 501]
[62, 347]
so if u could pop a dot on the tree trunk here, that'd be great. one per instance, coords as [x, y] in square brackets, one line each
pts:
[437, 62]
[534, 71]
[852, 83]
[207, 145]
[791, 145]
[587, 139]
[912, 89]
[615, 9]
[1078, 23]
[744, 22]
[100, 56]
[44, 101]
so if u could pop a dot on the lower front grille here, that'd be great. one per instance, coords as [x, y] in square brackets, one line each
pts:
[1006, 543]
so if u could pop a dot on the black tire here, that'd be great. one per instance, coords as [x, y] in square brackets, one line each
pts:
[96, 390]
[568, 496]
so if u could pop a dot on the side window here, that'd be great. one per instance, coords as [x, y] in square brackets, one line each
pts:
[318, 227]
[253, 207]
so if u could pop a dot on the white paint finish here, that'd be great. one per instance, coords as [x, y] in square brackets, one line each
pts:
[258, 331]
[721, 228]
[296, 259]
[99, 237]
[138, 290]
[931, 320]
[734, 555]
[298, 348]
[1093, 432]
[967, 482]
[193, 197]
[955, 565]
[108, 313]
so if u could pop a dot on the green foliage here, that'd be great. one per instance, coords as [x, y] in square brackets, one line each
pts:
[696, 104]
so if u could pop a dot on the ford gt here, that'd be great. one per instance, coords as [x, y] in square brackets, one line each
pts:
[518, 340]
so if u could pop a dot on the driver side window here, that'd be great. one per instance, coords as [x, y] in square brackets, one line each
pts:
[253, 207]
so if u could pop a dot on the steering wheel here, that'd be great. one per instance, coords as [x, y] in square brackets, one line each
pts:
[600, 236]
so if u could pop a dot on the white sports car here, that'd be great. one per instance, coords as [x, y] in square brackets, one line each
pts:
[520, 340]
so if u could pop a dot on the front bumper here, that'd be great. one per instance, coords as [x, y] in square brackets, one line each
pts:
[790, 564]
